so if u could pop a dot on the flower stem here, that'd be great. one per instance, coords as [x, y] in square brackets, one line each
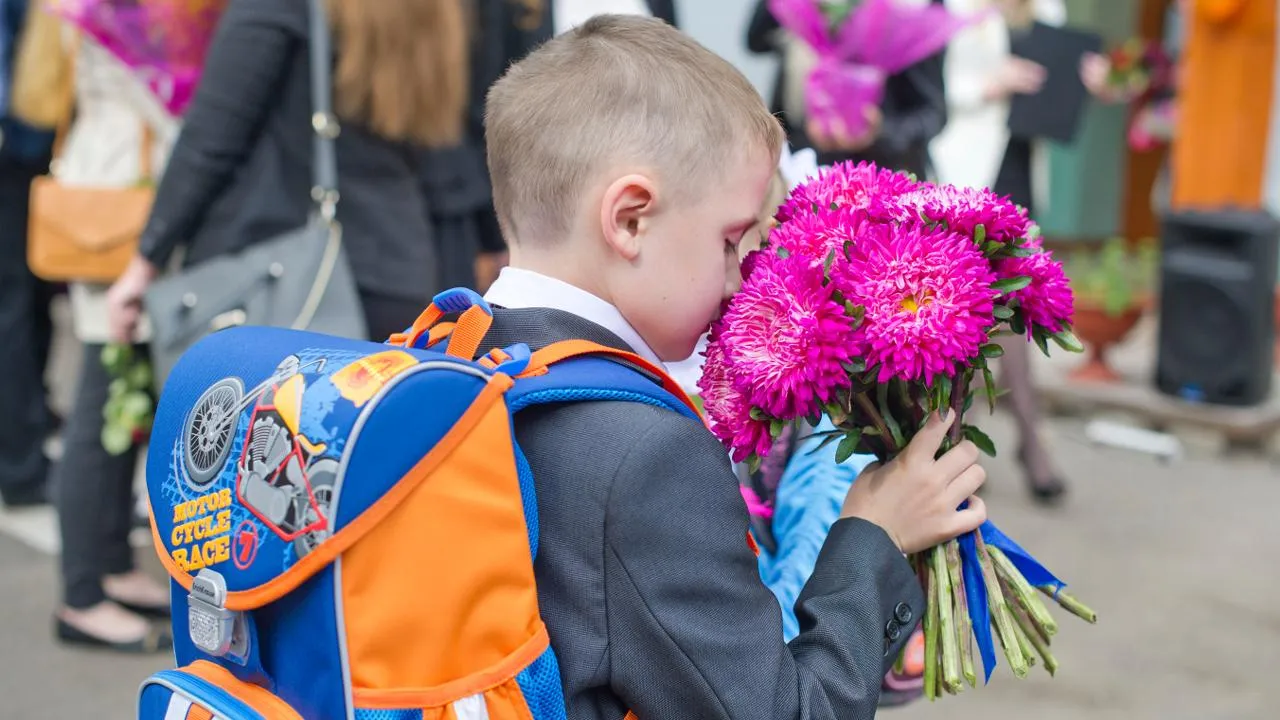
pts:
[1024, 642]
[1070, 603]
[1040, 644]
[1023, 592]
[946, 621]
[964, 623]
[959, 390]
[869, 408]
[1000, 612]
[931, 634]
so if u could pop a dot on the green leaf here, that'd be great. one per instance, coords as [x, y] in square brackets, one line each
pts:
[968, 402]
[137, 405]
[139, 376]
[116, 357]
[116, 439]
[979, 438]
[826, 264]
[117, 388]
[1012, 284]
[857, 312]
[882, 398]
[991, 247]
[1068, 341]
[980, 234]
[1018, 324]
[1002, 312]
[848, 446]
[776, 427]
[855, 366]
[1014, 251]
[1033, 232]
[784, 253]
[1038, 335]
[753, 463]
[945, 388]
[989, 381]
[991, 350]
[757, 414]
[825, 442]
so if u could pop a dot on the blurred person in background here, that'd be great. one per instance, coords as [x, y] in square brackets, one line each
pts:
[976, 150]
[25, 323]
[241, 169]
[913, 111]
[120, 137]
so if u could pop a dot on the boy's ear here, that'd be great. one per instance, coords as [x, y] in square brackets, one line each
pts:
[626, 211]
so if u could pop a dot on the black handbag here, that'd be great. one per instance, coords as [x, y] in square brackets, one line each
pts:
[298, 280]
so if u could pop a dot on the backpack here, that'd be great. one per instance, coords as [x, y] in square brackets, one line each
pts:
[350, 527]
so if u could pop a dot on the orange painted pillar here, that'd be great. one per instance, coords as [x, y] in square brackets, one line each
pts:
[1224, 104]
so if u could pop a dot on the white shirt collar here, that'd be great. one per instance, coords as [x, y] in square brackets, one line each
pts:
[519, 289]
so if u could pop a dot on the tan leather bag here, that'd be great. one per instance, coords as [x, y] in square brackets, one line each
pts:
[43, 71]
[84, 233]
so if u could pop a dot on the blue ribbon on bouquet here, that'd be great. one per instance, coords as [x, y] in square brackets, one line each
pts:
[975, 589]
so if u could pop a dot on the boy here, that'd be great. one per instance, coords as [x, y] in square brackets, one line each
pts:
[627, 164]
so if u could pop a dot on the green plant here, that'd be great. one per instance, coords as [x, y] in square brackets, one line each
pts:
[1116, 276]
[129, 409]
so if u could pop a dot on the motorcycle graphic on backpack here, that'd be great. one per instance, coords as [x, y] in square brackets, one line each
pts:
[281, 477]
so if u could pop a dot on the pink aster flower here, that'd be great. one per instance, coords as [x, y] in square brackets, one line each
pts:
[927, 297]
[960, 209]
[1048, 300]
[844, 185]
[727, 410]
[814, 236]
[786, 338]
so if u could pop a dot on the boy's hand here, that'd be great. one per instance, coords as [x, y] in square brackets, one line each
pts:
[914, 497]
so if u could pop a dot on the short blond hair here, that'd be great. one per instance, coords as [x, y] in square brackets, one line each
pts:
[615, 89]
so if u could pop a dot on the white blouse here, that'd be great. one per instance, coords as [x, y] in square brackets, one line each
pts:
[568, 14]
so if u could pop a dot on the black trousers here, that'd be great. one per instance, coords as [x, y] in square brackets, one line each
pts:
[26, 331]
[94, 493]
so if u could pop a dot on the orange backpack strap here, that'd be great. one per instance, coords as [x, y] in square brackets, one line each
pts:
[464, 336]
[568, 349]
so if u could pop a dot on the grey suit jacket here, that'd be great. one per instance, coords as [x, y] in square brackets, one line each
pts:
[652, 597]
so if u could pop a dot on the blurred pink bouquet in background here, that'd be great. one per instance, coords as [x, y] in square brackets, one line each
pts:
[859, 44]
[162, 41]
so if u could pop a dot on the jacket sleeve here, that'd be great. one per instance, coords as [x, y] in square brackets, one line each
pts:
[693, 631]
[247, 61]
[922, 109]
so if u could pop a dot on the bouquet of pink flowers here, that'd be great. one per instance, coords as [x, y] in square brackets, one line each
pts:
[859, 43]
[874, 302]
[163, 41]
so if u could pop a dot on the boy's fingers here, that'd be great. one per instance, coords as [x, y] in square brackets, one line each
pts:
[957, 460]
[966, 483]
[970, 518]
[924, 445]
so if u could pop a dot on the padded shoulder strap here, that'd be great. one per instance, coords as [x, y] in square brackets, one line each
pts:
[579, 370]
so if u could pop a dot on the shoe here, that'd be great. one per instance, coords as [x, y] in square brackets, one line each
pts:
[1045, 492]
[155, 641]
[154, 612]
